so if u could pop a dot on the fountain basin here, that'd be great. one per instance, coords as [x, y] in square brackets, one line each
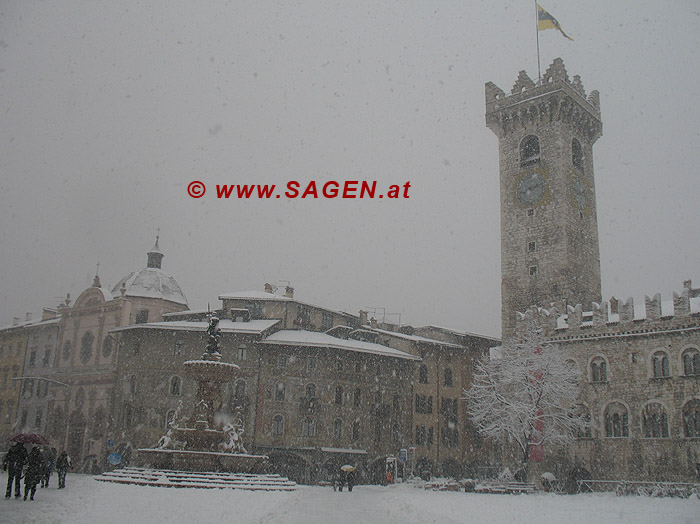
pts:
[211, 370]
[202, 461]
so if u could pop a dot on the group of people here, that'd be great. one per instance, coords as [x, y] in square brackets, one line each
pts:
[345, 478]
[40, 464]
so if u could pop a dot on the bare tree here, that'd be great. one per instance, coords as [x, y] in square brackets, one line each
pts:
[527, 393]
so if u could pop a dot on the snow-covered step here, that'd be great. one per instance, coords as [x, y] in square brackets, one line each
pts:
[188, 479]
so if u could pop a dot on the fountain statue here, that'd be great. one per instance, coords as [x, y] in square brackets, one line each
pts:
[204, 442]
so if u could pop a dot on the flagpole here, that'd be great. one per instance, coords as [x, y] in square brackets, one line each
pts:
[537, 31]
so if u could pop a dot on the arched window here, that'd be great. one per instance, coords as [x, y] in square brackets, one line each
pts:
[310, 391]
[691, 419]
[357, 398]
[175, 386]
[659, 365]
[66, 350]
[242, 352]
[396, 404]
[169, 418]
[599, 370]
[279, 391]
[423, 374]
[356, 430]
[107, 346]
[576, 153]
[128, 416]
[616, 420]
[655, 421]
[337, 428]
[239, 389]
[98, 423]
[309, 427]
[395, 434]
[448, 377]
[339, 395]
[86, 346]
[529, 151]
[691, 362]
[278, 425]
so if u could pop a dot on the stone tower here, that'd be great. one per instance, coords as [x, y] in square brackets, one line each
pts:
[549, 229]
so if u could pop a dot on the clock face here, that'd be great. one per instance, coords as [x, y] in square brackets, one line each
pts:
[531, 188]
[578, 186]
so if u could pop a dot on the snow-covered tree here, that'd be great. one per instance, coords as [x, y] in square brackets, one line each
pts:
[526, 392]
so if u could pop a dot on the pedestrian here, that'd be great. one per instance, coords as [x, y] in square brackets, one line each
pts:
[49, 465]
[14, 461]
[343, 479]
[389, 477]
[351, 479]
[34, 473]
[63, 462]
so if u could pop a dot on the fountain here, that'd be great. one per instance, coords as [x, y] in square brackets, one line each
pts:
[205, 443]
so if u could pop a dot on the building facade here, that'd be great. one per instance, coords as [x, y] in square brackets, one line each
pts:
[86, 357]
[638, 367]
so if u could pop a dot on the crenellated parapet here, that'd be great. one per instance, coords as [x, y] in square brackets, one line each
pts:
[554, 98]
[617, 317]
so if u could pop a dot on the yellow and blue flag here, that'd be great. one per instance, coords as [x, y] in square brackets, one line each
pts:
[547, 21]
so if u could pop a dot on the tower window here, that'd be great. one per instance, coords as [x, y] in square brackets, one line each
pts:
[576, 154]
[533, 271]
[531, 247]
[529, 151]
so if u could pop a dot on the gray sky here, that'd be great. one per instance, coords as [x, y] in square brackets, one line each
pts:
[110, 109]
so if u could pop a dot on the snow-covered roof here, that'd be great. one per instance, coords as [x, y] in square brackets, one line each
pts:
[351, 451]
[460, 333]
[151, 282]
[413, 338]
[254, 295]
[262, 295]
[316, 339]
[31, 323]
[226, 326]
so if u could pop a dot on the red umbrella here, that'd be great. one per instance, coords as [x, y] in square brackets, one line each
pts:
[29, 438]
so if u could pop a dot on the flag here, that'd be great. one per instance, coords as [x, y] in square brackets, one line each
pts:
[547, 21]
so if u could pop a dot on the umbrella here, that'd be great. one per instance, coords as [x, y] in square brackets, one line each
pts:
[347, 467]
[29, 438]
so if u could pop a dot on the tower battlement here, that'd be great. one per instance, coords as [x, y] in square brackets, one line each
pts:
[617, 317]
[555, 98]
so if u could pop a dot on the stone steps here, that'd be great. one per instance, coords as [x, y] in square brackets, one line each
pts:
[187, 479]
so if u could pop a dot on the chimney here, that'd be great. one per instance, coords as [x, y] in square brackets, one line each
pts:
[363, 317]
[289, 292]
[268, 288]
[15, 321]
[373, 322]
[27, 317]
[48, 314]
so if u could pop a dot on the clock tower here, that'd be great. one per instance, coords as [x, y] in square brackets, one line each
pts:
[549, 229]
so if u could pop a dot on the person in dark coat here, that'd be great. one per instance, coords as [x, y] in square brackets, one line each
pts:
[34, 473]
[351, 479]
[49, 456]
[14, 461]
[62, 465]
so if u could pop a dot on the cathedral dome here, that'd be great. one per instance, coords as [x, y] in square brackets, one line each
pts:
[151, 282]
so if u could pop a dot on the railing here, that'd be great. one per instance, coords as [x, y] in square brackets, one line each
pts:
[649, 489]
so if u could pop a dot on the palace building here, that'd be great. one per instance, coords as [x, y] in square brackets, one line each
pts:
[638, 365]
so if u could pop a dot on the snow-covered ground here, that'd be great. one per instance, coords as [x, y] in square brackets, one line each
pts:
[85, 501]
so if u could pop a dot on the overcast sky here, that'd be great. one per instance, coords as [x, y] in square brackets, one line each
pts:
[108, 110]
